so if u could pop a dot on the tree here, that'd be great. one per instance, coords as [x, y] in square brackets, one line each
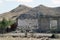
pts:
[4, 24]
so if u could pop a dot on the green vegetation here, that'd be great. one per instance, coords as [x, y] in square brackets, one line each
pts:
[4, 24]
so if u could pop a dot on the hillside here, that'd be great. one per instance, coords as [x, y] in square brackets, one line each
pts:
[22, 9]
[41, 9]
[15, 12]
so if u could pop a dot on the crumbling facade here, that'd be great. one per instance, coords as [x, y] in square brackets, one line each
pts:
[43, 23]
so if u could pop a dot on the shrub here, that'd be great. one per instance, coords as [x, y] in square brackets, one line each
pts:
[4, 24]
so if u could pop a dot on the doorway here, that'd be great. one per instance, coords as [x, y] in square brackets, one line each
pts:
[53, 24]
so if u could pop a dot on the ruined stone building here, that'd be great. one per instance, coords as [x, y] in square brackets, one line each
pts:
[40, 19]
[49, 23]
[40, 23]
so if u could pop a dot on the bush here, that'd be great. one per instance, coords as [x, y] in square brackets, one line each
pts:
[4, 24]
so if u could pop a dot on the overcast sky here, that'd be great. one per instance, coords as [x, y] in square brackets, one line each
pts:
[7, 5]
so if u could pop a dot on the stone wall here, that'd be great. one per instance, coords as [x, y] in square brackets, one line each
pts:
[44, 24]
[58, 27]
[41, 23]
[28, 24]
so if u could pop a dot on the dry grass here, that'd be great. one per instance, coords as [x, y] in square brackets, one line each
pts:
[17, 38]
[20, 38]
